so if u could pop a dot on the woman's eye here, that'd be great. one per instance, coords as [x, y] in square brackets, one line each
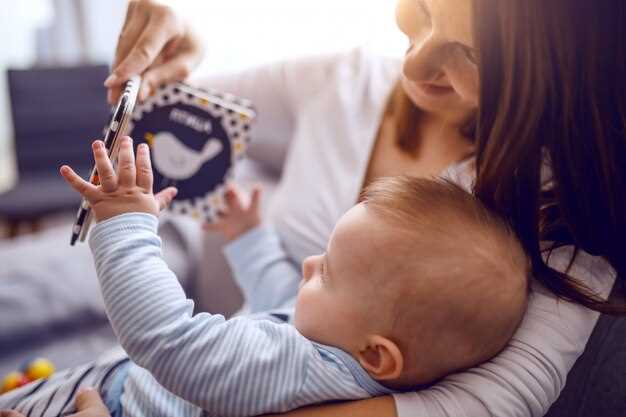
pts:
[469, 53]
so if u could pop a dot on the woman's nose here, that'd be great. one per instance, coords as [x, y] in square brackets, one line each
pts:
[425, 59]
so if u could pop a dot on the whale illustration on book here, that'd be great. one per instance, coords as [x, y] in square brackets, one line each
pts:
[175, 160]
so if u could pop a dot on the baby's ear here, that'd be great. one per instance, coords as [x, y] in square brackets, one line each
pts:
[381, 358]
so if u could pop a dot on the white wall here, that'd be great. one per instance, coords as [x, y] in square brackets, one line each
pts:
[244, 33]
[241, 33]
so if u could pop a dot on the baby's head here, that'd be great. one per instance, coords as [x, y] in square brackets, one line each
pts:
[418, 281]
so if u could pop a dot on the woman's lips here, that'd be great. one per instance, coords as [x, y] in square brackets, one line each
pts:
[434, 89]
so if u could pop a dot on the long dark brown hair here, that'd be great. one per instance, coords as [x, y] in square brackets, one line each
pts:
[553, 94]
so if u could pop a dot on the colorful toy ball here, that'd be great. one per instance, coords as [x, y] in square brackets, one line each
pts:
[32, 370]
[39, 368]
[13, 380]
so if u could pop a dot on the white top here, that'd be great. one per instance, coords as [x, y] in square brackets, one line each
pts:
[328, 109]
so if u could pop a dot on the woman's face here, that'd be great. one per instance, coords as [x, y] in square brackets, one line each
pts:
[440, 72]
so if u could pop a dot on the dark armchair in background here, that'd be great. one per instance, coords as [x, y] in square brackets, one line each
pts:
[56, 114]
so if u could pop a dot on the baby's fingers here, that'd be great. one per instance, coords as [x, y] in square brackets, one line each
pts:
[165, 197]
[107, 176]
[144, 168]
[232, 198]
[126, 163]
[86, 189]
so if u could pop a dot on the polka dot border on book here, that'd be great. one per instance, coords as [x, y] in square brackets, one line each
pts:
[235, 115]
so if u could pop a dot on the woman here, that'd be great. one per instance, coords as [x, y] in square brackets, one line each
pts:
[552, 113]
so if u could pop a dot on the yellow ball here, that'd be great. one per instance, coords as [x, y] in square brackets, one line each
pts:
[12, 381]
[39, 368]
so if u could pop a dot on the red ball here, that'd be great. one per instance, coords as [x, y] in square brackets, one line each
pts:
[23, 381]
[12, 381]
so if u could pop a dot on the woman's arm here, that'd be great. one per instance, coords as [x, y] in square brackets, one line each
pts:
[279, 92]
[375, 407]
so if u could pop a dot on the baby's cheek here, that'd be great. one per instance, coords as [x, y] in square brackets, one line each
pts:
[305, 315]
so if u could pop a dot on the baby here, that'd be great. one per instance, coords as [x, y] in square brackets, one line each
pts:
[418, 281]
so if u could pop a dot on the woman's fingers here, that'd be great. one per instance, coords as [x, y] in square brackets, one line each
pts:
[176, 69]
[165, 197]
[144, 168]
[175, 63]
[161, 27]
[106, 173]
[90, 404]
[84, 188]
[126, 170]
[10, 413]
[132, 28]
[153, 37]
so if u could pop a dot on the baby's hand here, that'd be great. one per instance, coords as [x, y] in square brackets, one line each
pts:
[129, 190]
[237, 218]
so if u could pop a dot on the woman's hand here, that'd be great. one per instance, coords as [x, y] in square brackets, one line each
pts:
[375, 407]
[88, 404]
[155, 43]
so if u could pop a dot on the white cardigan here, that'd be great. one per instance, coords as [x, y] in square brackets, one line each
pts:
[326, 111]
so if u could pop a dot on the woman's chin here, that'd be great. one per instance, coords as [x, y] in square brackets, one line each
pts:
[444, 102]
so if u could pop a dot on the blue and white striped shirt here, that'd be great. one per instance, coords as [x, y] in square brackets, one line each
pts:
[245, 366]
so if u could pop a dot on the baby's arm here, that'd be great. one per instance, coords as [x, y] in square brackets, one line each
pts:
[231, 367]
[236, 367]
[263, 270]
[260, 265]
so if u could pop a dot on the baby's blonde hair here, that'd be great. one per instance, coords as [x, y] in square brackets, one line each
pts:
[462, 288]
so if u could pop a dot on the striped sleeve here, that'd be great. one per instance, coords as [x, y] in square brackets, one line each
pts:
[237, 367]
[266, 275]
